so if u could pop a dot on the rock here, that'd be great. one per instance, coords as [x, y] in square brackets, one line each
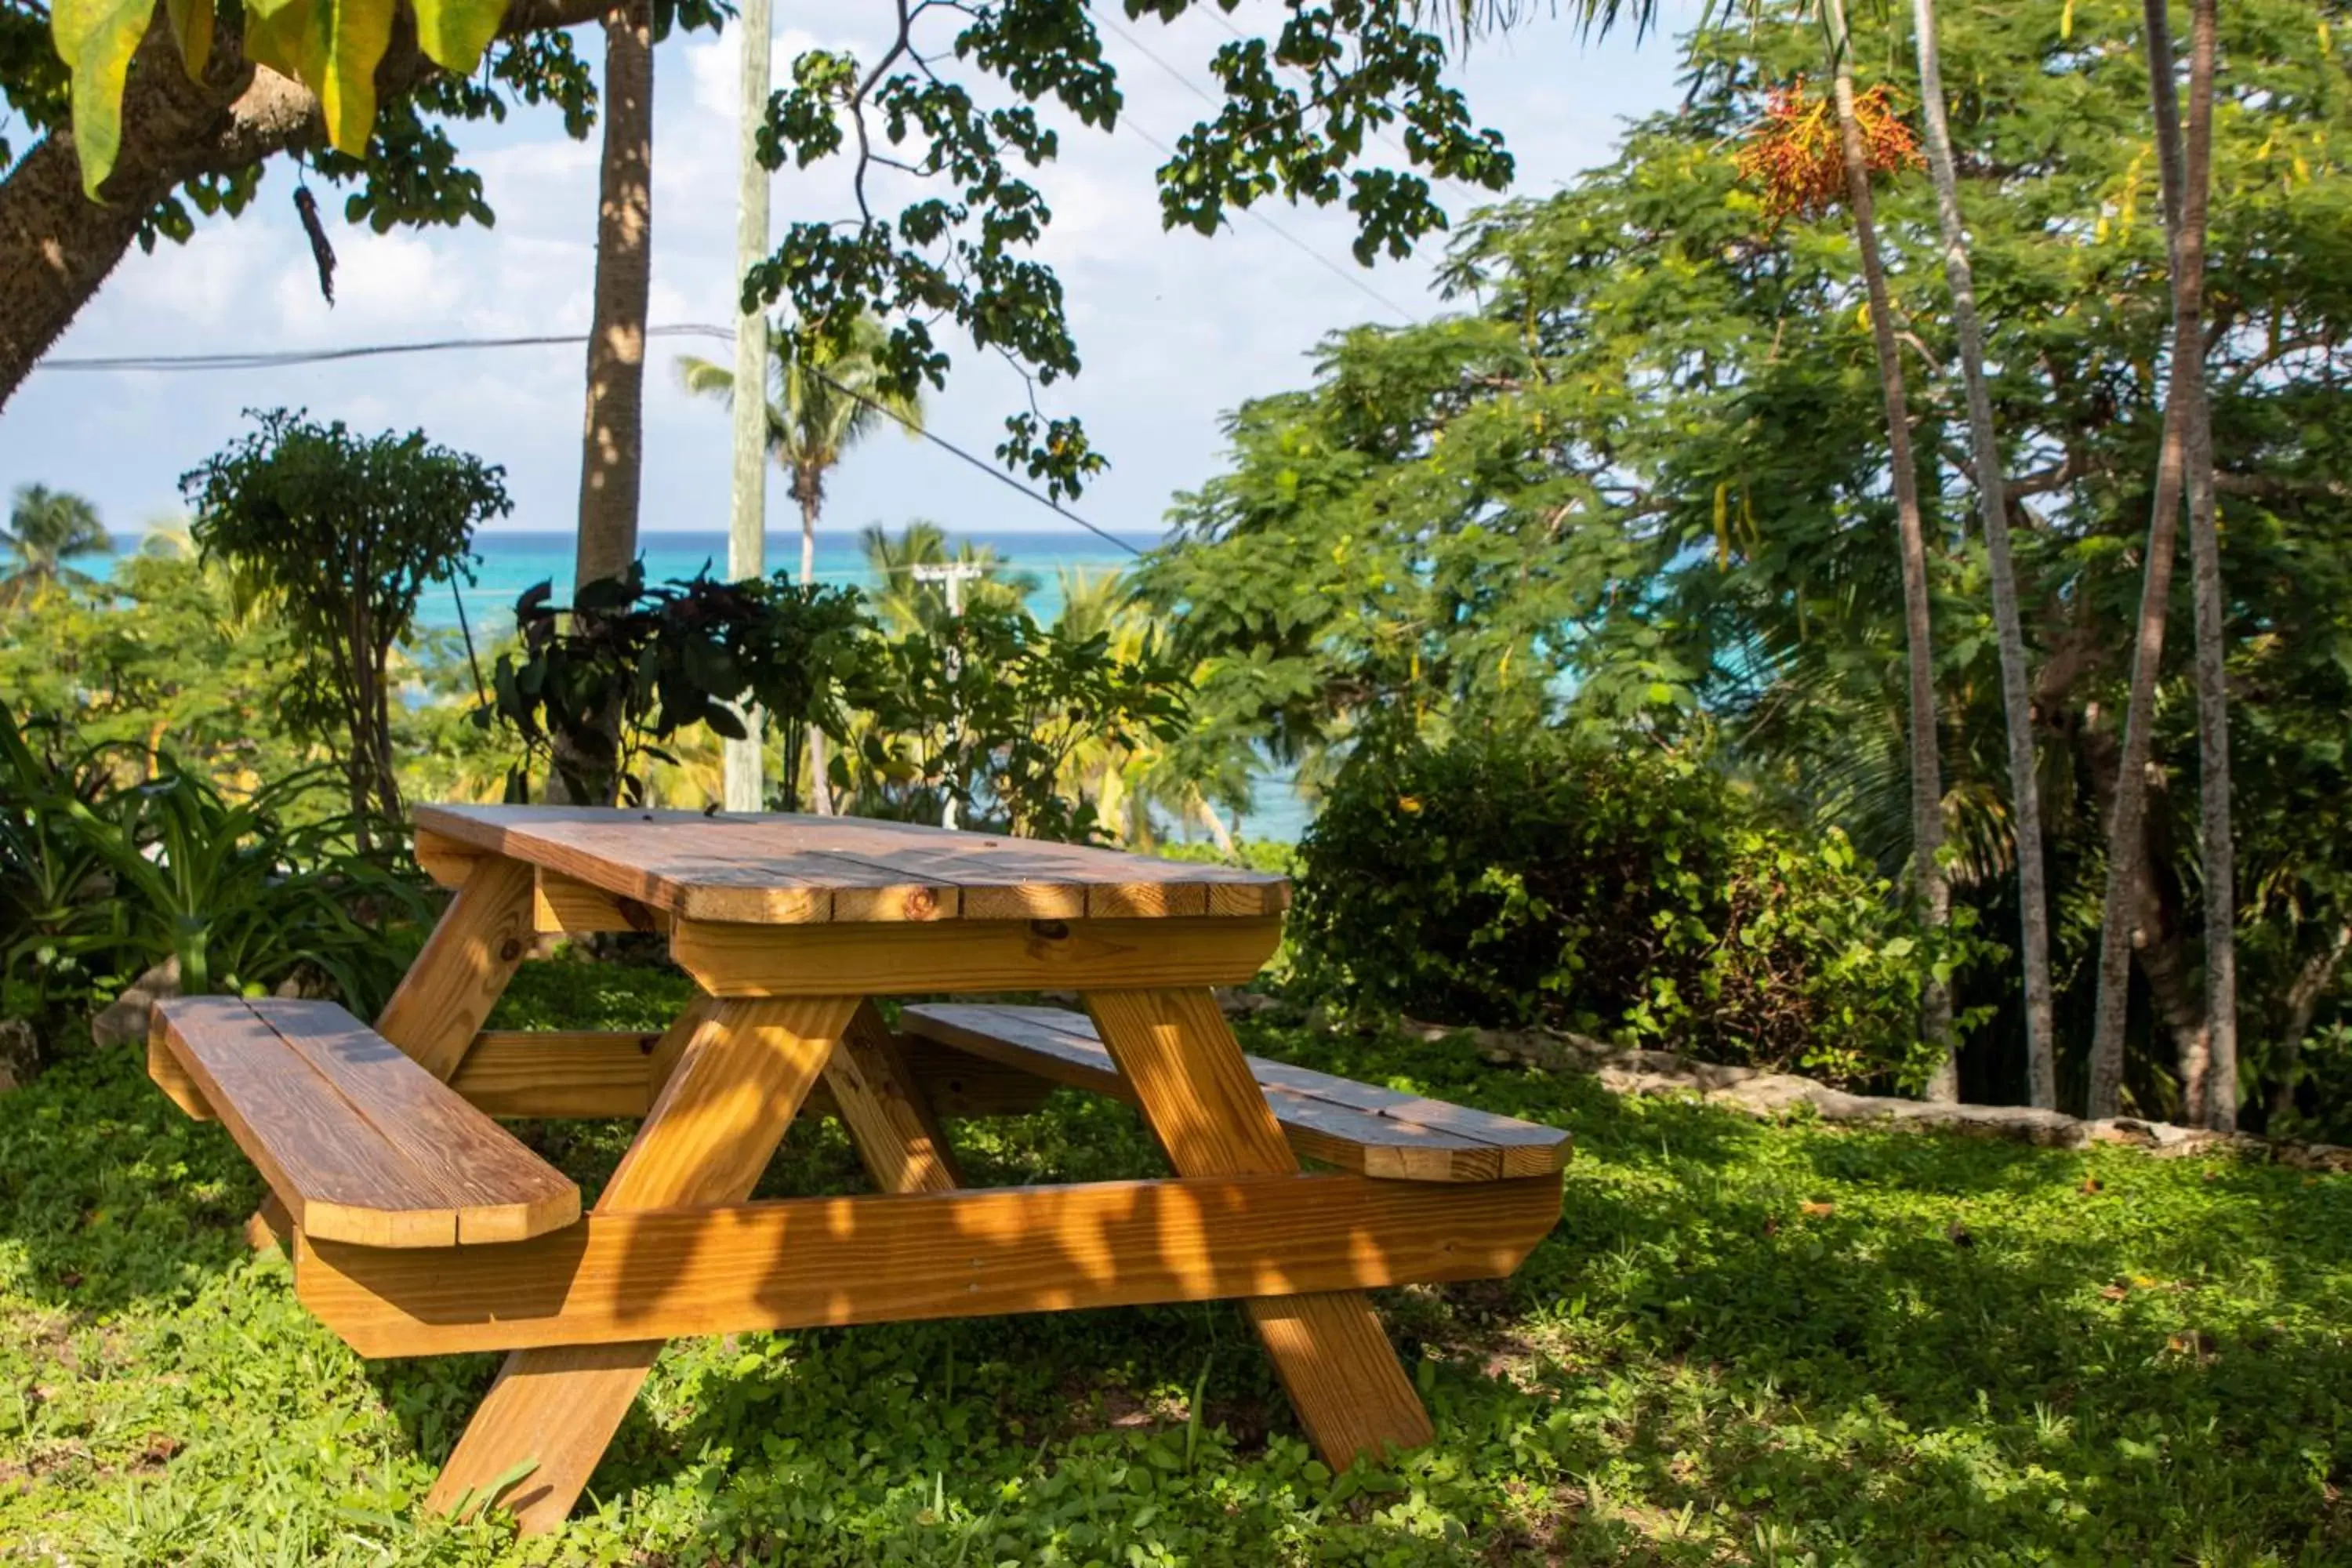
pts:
[20, 1053]
[125, 1022]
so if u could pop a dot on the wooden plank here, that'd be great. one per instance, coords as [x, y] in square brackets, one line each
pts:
[807, 1262]
[561, 905]
[292, 1124]
[1350, 1139]
[500, 1190]
[883, 1108]
[690, 865]
[169, 1075]
[480, 940]
[1356, 1126]
[270, 1226]
[556, 1073]
[1200, 1099]
[739, 1079]
[339, 1176]
[531, 1074]
[445, 860]
[970, 955]
[785, 869]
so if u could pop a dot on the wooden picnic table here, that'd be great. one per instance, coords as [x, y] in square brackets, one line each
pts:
[418, 1227]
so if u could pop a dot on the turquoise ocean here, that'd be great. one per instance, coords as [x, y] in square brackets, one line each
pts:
[509, 562]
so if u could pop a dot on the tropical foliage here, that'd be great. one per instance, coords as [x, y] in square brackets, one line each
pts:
[100, 879]
[47, 529]
[1631, 892]
[342, 534]
[1643, 475]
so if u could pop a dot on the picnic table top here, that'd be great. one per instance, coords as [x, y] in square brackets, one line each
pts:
[778, 869]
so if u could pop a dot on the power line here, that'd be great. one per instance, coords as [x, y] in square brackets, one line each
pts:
[286, 357]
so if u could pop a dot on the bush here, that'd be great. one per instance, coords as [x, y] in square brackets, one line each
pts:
[1627, 890]
[99, 880]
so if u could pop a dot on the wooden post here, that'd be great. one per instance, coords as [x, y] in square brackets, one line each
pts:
[1203, 1103]
[738, 1082]
[886, 1113]
[480, 941]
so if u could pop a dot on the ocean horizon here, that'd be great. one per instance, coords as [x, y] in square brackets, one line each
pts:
[511, 561]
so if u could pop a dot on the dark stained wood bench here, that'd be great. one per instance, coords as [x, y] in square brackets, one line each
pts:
[358, 1141]
[1354, 1126]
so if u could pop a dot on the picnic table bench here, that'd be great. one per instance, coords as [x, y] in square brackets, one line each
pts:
[417, 1225]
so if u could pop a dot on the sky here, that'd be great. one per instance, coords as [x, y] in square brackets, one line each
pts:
[1174, 330]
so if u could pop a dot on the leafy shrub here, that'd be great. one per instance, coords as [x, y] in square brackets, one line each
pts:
[99, 880]
[985, 709]
[1630, 890]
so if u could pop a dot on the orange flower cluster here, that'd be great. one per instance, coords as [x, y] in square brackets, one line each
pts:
[1793, 153]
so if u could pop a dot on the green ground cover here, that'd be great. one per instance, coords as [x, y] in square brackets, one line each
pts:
[1744, 1343]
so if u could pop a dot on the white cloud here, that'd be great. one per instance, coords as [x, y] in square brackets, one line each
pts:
[1173, 328]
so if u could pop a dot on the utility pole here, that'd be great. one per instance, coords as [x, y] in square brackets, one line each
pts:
[954, 574]
[747, 527]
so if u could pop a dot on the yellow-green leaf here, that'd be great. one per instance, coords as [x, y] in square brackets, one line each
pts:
[279, 33]
[192, 29]
[96, 39]
[356, 34]
[2067, 23]
[454, 33]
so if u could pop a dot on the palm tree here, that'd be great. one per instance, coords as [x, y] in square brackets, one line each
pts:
[47, 529]
[2186, 167]
[612, 441]
[823, 400]
[612, 434]
[1926, 769]
[908, 605]
[2032, 884]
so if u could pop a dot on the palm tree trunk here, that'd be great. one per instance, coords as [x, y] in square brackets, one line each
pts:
[2016, 678]
[2184, 171]
[2218, 1094]
[612, 453]
[1926, 769]
[819, 792]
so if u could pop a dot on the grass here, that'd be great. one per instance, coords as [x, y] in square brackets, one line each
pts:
[1744, 1343]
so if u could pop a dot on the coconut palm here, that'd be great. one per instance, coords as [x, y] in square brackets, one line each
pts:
[823, 400]
[906, 605]
[47, 529]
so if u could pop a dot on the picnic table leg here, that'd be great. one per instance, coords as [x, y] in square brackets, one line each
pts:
[888, 1115]
[739, 1080]
[480, 941]
[1198, 1095]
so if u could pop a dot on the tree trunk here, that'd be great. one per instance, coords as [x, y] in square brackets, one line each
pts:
[2218, 1091]
[1926, 768]
[612, 449]
[2311, 983]
[2016, 678]
[812, 501]
[57, 246]
[612, 437]
[2184, 207]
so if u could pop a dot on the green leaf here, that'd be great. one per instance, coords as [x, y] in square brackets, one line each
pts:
[96, 38]
[454, 33]
[192, 29]
[279, 33]
[356, 34]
